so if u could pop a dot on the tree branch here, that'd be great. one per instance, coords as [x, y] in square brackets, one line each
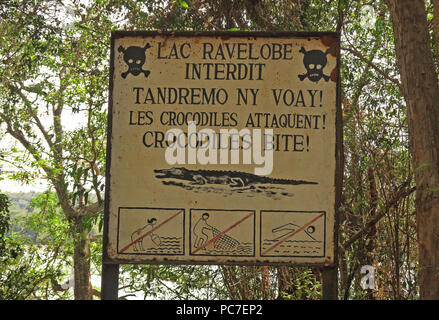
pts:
[402, 192]
[18, 135]
[91, 210]
[32, 112]
[373, 65]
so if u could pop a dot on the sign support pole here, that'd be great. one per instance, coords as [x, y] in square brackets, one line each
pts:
[110, 281]
[330, 283]
[330, 273]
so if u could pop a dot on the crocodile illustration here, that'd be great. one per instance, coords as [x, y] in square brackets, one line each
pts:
[233, 179]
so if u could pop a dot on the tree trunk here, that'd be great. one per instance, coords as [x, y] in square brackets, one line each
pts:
[421, 93]
[81, 261]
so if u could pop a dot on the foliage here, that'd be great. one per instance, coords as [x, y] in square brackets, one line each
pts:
[378, 176]
[172, 282]
[4, 225]
[31, 266]
[54, 66]
[52, 72]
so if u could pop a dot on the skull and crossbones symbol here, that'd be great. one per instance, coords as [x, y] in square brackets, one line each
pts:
[314, 62]
[134, 57]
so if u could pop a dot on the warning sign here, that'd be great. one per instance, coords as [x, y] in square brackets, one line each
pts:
[222, 148]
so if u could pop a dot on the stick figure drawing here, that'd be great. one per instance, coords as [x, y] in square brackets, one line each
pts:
[153, 238]
[202, 231]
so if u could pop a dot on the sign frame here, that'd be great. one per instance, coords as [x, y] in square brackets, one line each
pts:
[331, 39]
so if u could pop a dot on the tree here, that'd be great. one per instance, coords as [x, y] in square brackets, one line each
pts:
[52, 71]
[419, 80]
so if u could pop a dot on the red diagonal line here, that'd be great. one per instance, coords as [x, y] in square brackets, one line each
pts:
[222, 233]
[294, 233]
[150, 231]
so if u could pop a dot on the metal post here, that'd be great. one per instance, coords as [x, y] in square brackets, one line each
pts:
[330, 283]
[110, 281]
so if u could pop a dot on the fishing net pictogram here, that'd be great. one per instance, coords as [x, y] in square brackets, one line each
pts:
[224, 242]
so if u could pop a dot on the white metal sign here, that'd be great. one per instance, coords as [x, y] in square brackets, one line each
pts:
[222, 148]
